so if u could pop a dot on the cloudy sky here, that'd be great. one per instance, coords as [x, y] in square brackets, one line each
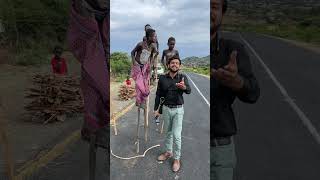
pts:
[186, 20]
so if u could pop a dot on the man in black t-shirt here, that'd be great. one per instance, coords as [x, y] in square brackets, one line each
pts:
[231, 77]
[171, 87]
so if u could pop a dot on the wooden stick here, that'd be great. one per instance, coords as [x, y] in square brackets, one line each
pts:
[162, 124]
[115, 127]
[137, 141]
[145, 125]
[92, 157]
[4, 142]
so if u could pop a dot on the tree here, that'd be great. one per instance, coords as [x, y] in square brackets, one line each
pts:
[120, 64]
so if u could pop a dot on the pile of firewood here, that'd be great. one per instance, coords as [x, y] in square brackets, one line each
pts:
[126, 92]
[53, 97]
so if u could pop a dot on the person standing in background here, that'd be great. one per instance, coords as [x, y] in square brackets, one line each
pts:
[58, 64]
[170, 52]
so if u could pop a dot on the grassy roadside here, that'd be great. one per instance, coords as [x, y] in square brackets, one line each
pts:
[294, 21]
[199, 70]
[303, 34]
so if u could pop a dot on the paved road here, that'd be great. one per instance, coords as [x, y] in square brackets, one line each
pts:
[273, 143]
[195, 147]
[195, 142]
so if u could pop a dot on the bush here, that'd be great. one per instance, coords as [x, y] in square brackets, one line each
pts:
[120, 65]
[33, 28]
[199, 70]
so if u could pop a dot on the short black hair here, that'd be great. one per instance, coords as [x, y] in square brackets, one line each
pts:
[225, 6]
[172, 58]
[146, 25]
[57, 49]
[149, 32]
[171, 39]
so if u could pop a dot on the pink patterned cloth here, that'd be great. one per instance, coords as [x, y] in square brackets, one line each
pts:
[88, 40]
[141, 75]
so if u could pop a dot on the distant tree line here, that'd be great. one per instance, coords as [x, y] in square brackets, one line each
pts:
[32, 21]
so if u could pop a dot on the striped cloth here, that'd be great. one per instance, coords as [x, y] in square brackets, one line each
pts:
[141, 76]
[88, 40]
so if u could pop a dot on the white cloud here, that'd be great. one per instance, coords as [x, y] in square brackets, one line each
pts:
[186, 20]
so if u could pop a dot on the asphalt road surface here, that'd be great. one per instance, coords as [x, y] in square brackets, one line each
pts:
[278, 138]
[73, 165]
[195, 142]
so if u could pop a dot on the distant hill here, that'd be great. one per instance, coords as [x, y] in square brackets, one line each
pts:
[290, 19]
[194, 61]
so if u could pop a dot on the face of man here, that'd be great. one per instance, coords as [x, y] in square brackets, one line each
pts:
[147, 27]
[215, 15]
[58, 53]
[153, 38]
[171, 44]
[174, 65]
[103, 4]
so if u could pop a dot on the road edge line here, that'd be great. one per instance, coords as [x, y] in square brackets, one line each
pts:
[45, 157]
[207, 102]
[303, 117]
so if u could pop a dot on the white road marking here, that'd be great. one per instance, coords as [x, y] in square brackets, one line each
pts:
[305, 120]
[199, 91]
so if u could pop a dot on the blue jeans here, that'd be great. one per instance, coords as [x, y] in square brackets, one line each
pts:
[173, 126]
[222, 162]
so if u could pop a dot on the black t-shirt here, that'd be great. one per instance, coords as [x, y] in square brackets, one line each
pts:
[223, 122]
[167, 88]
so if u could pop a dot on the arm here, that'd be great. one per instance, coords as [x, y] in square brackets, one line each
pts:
[133, 53]
[65, 66]
[250, 91]
[158, 95]
[53, 65]
[177, 53]
[154, 54]
[162, 59]
[186, 82]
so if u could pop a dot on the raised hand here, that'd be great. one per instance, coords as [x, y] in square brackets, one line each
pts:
[228, 75]
[181, 84]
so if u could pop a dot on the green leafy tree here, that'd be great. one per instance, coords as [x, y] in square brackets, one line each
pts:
[120, 65]
[33, 27]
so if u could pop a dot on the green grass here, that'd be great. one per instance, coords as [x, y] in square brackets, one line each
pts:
[199, 70]
[300, 30]
[305, 34]
[120, 77]
[35, 54]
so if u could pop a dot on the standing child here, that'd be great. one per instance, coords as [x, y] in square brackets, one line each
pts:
[128, 82]
[170, 52]
[58, 64]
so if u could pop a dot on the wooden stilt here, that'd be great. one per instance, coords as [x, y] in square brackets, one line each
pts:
[5, 145]
[138, 128]
[115, 128]
[145, 124]
[7, 153]
[92, 158]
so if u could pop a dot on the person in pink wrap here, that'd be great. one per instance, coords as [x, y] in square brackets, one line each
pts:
[88, 40]
[142, 60]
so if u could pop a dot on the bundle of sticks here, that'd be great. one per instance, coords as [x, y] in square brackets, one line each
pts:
[53, 97]
[126, 92]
